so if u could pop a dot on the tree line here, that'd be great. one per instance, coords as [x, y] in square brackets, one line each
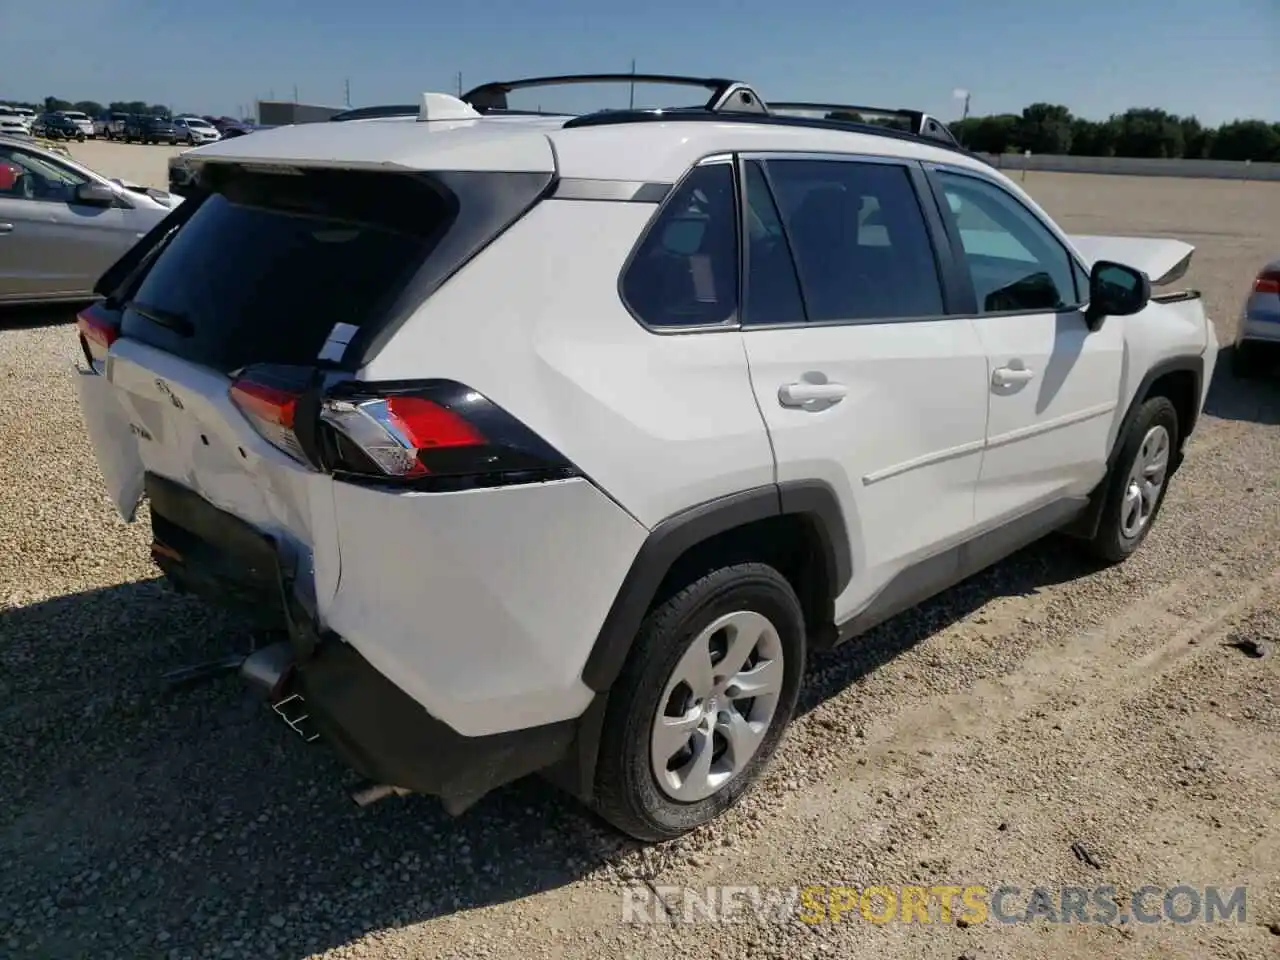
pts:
[1138, 132]
[1041, 128]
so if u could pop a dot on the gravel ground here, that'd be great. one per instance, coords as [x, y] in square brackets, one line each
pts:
[974, 740]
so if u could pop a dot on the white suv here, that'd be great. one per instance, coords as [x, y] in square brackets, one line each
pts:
[558, 443]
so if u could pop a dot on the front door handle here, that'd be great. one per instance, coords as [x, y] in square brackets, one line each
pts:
[1009, 376]
[6, 228]
[811, 395]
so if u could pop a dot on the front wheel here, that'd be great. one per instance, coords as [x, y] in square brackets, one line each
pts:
[1138, 481]
[702, 702]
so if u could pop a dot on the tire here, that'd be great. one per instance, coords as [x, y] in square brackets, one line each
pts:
[751, 597]
[1121, 531]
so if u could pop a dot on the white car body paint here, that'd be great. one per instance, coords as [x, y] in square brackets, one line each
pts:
[483, 605]
[435, 583]
[660, 422]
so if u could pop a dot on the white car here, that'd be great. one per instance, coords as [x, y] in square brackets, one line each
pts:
[81, 120]
[559, 443]
[195, 131]
[13, 127]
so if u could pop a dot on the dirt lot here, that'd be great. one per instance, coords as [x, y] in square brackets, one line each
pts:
[973, 741]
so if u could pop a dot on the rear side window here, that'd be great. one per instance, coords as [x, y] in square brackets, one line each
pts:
[859, 239]
[685, 271]
[268, 263]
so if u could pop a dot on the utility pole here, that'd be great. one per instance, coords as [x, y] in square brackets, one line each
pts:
[631, 102]
[459, 83]
[295, 93]
[346, 84]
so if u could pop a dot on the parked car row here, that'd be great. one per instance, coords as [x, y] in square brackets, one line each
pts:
[76, 125]
[191, 130]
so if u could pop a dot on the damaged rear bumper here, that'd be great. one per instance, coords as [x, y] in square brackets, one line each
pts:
[373, 725]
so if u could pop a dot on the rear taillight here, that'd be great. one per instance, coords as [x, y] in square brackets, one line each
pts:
[99, 328]
[268, 396]
[428, 434]
[1268, 281]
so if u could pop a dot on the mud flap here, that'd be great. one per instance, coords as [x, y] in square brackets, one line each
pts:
[114, 444]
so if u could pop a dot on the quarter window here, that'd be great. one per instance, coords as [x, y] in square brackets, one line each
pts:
[685, 272]
[859, 240]
[1015, 262]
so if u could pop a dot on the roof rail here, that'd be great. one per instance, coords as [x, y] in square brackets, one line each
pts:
[727, 99]
[726, 96]
[379, 112]
[917, 122]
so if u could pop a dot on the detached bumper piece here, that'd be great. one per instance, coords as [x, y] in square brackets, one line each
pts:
[332, 692]
[386, 735]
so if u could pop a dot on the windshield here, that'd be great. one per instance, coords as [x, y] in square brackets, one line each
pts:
[74, 115]
[193, 122]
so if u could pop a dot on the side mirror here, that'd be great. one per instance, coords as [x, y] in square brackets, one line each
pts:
[8, 175]
[1115, 291]
[95, 195]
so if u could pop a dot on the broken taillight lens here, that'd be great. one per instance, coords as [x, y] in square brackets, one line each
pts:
[428, 433]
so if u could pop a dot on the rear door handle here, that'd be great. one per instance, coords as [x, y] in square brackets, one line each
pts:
[810, 395]
[1008, 376]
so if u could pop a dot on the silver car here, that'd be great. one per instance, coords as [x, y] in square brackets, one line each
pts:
[1259, 328]
[62, 224]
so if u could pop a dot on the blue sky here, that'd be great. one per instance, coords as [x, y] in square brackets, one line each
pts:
[1215, 60]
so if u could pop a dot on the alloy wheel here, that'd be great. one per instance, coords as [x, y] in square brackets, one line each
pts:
[1146, 479]
[717, 706]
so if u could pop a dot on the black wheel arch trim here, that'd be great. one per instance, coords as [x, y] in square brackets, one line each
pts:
[1086, 525]
[1188, 363]
[668, 540]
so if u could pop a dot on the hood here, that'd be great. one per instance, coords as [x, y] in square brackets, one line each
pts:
[1162, 259]
[151, 193]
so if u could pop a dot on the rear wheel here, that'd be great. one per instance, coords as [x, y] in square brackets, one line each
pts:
[702, 702]
[1138, 480]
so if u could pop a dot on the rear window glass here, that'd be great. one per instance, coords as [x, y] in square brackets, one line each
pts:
[270, 262]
